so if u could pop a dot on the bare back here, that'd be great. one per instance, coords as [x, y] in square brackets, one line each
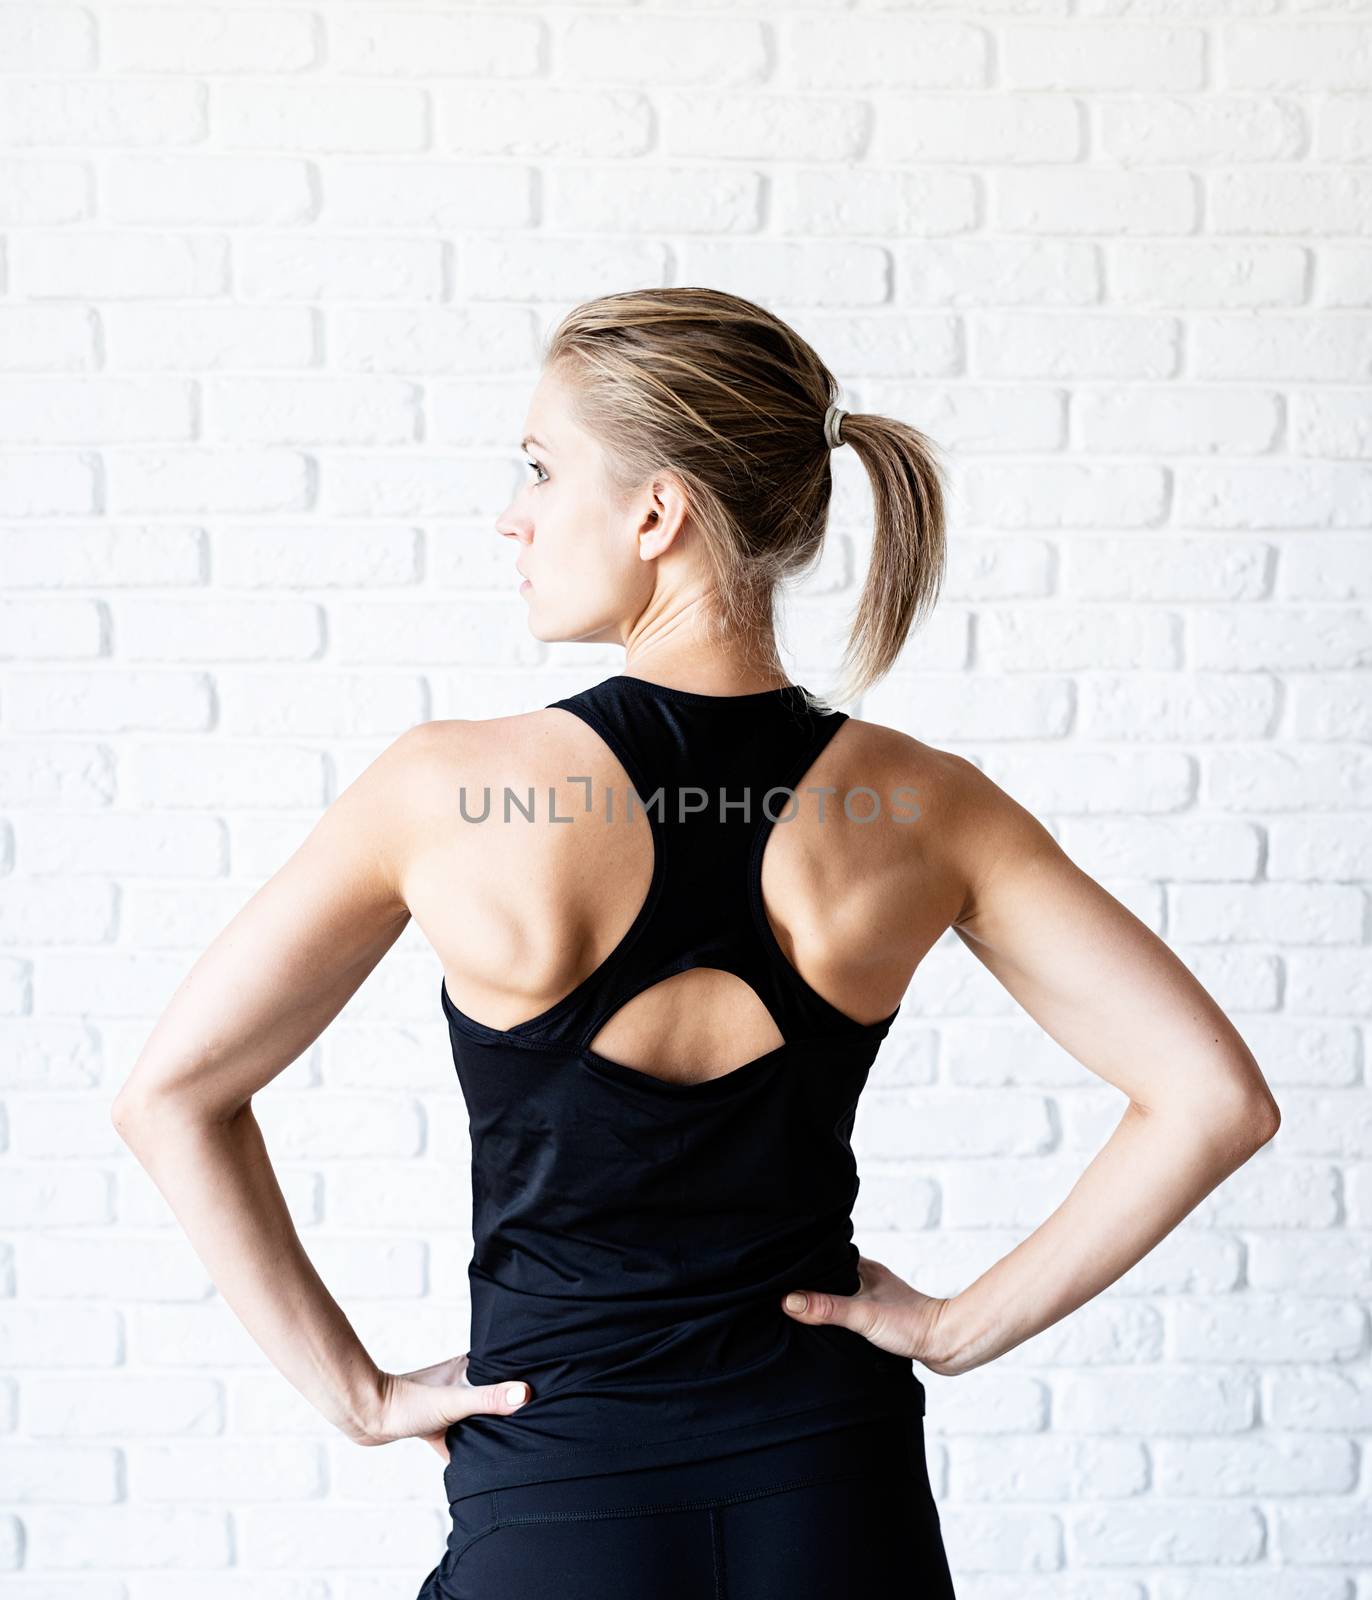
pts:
[857, 884]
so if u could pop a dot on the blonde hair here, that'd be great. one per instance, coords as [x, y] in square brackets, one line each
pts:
[732, 400]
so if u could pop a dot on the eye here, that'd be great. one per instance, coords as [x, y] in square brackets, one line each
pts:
[537, 468]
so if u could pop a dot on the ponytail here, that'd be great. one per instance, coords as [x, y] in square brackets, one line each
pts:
[909, 545]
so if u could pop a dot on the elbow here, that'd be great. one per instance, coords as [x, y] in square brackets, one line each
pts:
[134, 1110]
[120, 1113]
[1239, 1107]
[1252, 1122]
[136, 1099]
[1238, 1124]
[1267, 1119]
[126, 1113]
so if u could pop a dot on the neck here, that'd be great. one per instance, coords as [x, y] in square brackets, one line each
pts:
[702, 670]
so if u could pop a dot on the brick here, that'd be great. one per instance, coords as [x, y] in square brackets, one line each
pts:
[192, 39]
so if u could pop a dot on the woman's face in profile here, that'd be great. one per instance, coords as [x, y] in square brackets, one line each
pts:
[577, 550]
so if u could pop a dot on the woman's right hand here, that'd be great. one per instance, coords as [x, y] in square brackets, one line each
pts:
[887, 1311]
[425, 1403]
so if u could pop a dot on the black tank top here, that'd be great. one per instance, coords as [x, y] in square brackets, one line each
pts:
[634, 1237]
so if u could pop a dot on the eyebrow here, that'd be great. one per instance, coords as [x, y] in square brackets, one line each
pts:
[525, 443]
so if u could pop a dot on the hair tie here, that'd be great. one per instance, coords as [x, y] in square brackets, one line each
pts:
[833, 421]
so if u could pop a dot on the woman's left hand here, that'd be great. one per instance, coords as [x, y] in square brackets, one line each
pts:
[886, 1310]
[425, 1403]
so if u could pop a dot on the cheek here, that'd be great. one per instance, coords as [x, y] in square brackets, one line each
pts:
[613, 570]
[583, 574]
[574, 542]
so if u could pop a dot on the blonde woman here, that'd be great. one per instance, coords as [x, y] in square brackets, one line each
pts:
[666, 975]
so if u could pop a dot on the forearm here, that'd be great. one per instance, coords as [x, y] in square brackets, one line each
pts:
[217, 1178]
[1154, 1169]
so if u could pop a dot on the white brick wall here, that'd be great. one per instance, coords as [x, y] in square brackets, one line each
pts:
[271, 283]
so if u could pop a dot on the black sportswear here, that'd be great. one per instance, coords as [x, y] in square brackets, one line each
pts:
[634, 1237]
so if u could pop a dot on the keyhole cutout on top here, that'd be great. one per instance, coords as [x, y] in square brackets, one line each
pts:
[696, 1025]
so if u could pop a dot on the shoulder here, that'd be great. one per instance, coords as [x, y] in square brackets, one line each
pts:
[422, 767]
[445, 744]
[424, 762]
[413, 788]
[520, 748]
[883, 757]
[967, 825]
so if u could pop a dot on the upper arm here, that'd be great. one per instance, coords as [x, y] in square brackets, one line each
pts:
[1100, 982]
[294, 954]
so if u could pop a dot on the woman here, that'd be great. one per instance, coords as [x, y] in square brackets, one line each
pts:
[664, 1010]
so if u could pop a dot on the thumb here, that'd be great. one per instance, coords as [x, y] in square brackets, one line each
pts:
[814, 1306]
[496, 1397]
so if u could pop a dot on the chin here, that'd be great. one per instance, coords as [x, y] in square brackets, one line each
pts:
[562, 630]
[549, 632]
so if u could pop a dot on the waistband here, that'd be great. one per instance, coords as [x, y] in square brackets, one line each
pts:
[889, 1445]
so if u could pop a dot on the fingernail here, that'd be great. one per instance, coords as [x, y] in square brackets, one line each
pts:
[795, 1301]
[517, 1394]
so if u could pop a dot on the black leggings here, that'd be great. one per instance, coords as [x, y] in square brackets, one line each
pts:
[844, 1514]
